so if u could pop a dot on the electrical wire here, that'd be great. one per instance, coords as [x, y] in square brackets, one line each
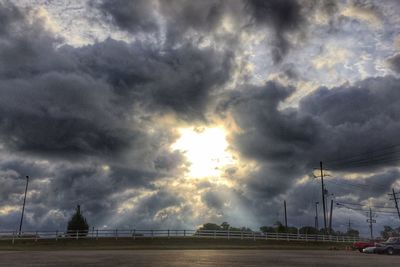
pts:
[368, 153]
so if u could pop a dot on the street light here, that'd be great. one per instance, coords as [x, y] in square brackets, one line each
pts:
[316, 215]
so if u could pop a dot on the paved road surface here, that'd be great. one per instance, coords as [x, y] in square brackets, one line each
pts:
[195, 258]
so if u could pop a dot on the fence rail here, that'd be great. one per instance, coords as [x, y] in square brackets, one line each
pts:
[137, 234]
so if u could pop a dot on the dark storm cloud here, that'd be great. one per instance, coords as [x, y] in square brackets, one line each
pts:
[193, 20]
[45, 109]
[133, 16]
[59, 114]
[283, 16]
[394, 63]
[59, 187]
[329, 124]
[79, 109]
[179, 16]
[200, 17]
[70, 101]
[8, 14]
[213, 200]
[184, 79]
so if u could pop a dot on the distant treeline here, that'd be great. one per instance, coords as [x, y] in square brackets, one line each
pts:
[278, 227]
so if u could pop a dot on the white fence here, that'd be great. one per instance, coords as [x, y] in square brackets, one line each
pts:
[137, 234]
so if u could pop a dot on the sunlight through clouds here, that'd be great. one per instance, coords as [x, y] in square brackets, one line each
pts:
[205, 150]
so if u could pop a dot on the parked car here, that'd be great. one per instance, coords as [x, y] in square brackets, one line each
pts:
[369, 250]
[390, 246]
[360, 245]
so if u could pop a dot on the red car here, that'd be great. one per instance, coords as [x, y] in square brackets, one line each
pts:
[360, 245]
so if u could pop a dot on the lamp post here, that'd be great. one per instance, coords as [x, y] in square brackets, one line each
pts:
[23, 205]
[316, 215]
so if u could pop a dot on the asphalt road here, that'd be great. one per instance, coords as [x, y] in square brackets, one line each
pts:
[195, 258]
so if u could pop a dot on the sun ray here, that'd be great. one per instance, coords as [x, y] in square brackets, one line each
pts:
[206, 150]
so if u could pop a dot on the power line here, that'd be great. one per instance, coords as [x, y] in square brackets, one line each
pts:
[361, 154]
[370, 156]
[361, 187]
[366, 163]
[356, 204]
[364, 210]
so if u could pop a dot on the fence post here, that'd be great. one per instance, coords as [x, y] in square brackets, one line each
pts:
[306, 237]
[228, 234]
[36, 235]
[266, 236]
[56, 235]
[13, 237]
[254, 236]
[184, 233]
[97, 234]
[241, 235]
[77, 234]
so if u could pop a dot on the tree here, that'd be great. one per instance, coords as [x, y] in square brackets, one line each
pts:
[210, 226]
[308, 230]
[78, 223]
[280, 228]
[389, 231]
[225, 226]
[353, 232]
[267, 229]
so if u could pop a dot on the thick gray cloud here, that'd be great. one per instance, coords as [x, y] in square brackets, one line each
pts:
[394, 63]
[284, 17]
[60, 114]
[68, 100]
[184, 79]
[337, 123]
[179, 17]
[201, 19]
[134, 16]
[346, 127]
[86, 112]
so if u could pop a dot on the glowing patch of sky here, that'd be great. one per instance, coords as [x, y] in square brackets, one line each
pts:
[205, 149]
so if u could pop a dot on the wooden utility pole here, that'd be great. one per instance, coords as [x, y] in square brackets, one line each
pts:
[284, 204]
[330, 217]
[23, 205]
[316, 215]
[323, 193]
[395, 198]
[371, 221]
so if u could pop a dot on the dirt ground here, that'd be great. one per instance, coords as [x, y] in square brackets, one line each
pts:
[195, 258]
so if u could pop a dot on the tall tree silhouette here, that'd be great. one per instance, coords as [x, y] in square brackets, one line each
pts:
[78, 223]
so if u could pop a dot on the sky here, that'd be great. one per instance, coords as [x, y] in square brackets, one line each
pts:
[170, 114]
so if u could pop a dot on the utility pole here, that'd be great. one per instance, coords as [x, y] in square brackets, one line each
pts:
[323, 193]
[330, 217]
[316, 215]
[284, 203]
[23, 205]
[395, 198]
[371, 221]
